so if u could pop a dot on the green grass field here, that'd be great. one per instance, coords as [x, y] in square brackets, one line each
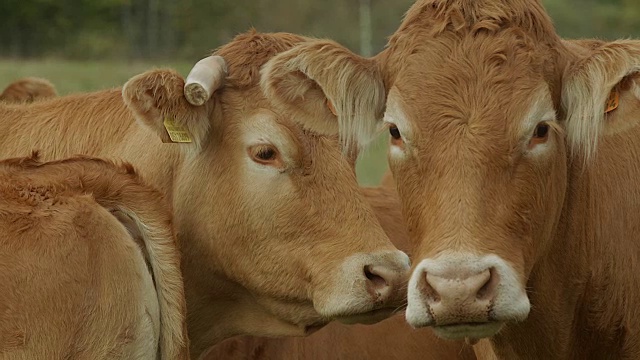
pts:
[70, 77]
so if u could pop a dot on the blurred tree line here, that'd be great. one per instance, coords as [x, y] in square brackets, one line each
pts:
[187, 29]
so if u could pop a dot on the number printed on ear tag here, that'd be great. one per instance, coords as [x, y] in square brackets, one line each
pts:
[176, 132]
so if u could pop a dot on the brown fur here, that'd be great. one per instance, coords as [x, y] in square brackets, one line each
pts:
[73, 277]
[387, 180]
[27, 90]
[259, 251]
[465, 74]
[390, 339]
[563, 226]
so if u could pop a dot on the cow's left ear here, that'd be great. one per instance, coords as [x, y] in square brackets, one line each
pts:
[601, 94]
[328, 89]
[178, 111]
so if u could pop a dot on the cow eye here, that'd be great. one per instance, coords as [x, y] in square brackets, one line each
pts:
[396, 137]
[541, 131]
[395, 133]
[540, 135]
[265, 154]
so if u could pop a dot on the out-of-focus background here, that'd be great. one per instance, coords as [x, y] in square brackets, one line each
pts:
[86, 45]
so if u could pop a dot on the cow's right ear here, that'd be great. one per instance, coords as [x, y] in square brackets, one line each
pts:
[601, 94]
[176, 110]
[328, 89]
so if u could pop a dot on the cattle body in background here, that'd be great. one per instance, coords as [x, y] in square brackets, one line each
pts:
[391, 339]
[275, 238]
[516, 156]
[27, 90]
[89, 266]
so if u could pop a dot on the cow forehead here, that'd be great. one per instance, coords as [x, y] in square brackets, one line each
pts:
[265, 126]
[471, 82]
[474, 59]
[436, 120]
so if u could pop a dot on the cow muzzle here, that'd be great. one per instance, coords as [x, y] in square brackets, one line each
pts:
[465, 296]
[366, 288]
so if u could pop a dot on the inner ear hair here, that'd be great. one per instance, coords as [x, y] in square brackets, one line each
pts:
[311, 75]
[623, 105]
[588, 84]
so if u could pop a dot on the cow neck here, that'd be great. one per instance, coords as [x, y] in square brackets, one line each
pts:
[219, 309]
[123, 137]
[579, 303]
[607, 224]
[103, 127]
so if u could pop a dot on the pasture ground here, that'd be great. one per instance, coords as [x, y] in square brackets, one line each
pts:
[70, 77]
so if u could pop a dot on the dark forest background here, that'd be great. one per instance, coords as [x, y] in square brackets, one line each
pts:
[187, 29]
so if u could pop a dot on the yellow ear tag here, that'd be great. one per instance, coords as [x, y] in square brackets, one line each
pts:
[176, 132]
[332, 108]
[613, 101]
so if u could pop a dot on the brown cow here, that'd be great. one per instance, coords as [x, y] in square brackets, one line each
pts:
[391, 339]
[77, 282]
[515, 156]
[341, 341]
[275, 237]
[27, 90]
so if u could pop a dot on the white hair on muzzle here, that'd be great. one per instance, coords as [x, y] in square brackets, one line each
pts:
[204, 79]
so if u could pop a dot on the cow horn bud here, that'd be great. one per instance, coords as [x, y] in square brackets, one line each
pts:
[204, 79]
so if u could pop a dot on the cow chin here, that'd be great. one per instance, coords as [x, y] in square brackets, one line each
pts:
[368, 318]
[470, 331]
[302, 318]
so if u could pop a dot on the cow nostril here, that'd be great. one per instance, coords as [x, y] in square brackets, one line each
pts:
[427, 289]
[487, 290]
[376, 280]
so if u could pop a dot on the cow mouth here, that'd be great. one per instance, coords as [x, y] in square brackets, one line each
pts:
[472, 330]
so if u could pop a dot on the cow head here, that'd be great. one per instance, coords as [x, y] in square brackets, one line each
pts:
[269, 214]
[487, 111]
[481, 161]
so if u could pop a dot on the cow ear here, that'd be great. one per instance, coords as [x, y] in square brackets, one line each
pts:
[327, 89]
[601, 95]
[178, 111]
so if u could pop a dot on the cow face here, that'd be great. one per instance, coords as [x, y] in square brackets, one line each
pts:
[485, 109]
[271, 212]
[480, 166]
[481, 159]
[481, 170]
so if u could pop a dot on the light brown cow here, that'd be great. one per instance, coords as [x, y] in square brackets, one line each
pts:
[391, 339]
[77, 282]
[337, 340]
[27, 90]
[275, 237]
[515, 155]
